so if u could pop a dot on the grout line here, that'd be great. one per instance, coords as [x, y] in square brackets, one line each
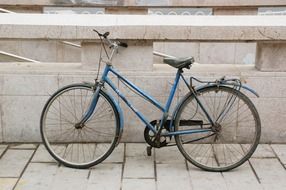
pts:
[102, 163]
[43, 162]
[6, 149]
[155, 164]
[277, 157]
[254, 172]
[224, 180]
[251, 166]
[188, 170]
[12, 148]
[155, 168]
[123, 165]
[89, 173]
[22, 173]
[139, 178]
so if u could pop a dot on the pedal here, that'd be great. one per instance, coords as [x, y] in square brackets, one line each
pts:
[149, 150]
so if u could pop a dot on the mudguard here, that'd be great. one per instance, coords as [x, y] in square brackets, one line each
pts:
[171, 126]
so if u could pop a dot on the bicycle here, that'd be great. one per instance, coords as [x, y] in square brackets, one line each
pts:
[215, 126]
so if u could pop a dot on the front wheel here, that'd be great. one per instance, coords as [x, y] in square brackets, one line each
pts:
[232, 138]
[73, 145]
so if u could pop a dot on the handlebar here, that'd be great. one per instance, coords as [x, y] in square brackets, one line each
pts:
[109, 42]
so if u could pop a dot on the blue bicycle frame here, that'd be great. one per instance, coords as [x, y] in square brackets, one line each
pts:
[165, 110]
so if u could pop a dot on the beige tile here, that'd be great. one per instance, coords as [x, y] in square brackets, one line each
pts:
[69, 178]
[241, 178]
[105, 176]
[165, 178]
[139, 167]
[136, 150]
[169, 155]
[13, 162]
[138, 184]
[8, 183]
[270, 172]
[280, 150]
[206, 180]
[38, 176]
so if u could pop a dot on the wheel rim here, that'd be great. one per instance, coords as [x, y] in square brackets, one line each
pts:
[233, 137]
[73, 145]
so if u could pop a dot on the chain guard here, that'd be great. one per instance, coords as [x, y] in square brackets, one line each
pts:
[150, 136]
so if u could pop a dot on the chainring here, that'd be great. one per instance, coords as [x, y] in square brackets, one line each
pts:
[149, 136]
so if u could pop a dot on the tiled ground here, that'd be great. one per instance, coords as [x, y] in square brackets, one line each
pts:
[29, 167]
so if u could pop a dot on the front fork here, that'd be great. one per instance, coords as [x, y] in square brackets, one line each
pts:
[91, 107]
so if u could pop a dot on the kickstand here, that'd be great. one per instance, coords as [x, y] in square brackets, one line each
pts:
[149, 150]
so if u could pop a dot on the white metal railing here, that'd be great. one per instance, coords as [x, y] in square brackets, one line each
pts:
[5, 11]
[71, 44]
[17, 57]
[162, 54]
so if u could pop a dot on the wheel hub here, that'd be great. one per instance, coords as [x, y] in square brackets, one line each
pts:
[79, 125]
[216, 128]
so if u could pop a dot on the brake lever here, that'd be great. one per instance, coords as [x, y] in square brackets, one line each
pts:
[97, 32]
[106, 34]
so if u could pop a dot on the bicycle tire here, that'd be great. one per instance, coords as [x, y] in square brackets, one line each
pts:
[214, 149]
[62, 150]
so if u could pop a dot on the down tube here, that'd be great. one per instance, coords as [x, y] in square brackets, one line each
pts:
[141, 117]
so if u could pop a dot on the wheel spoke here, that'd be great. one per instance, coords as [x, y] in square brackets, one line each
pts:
[237, 122]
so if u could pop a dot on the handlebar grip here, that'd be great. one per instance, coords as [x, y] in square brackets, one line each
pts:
[123, 44]
[105, 34]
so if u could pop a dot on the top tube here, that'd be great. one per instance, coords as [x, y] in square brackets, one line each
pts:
[133, 86]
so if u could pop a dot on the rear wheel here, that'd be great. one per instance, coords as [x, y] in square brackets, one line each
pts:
[232, 139]
[73, 145]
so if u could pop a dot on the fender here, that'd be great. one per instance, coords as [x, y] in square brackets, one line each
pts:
[228, 85]
[171, 126]
[117, 107]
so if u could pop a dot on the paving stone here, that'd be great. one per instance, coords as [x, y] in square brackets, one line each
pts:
[138, 184]
[206, 154]
[206, 180]
[117, 155]
[139, 167]
[241, 178]
[173, 176]
[169, 155]
[7, 183]
[136, 150]
[2, 149]
[105, 176]
[69, 178]
[23, 146]
[42, 154]
[38, 176]
[262, 151]
[280, 150]
[271, 173]
[81, 153]
[13, 162]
